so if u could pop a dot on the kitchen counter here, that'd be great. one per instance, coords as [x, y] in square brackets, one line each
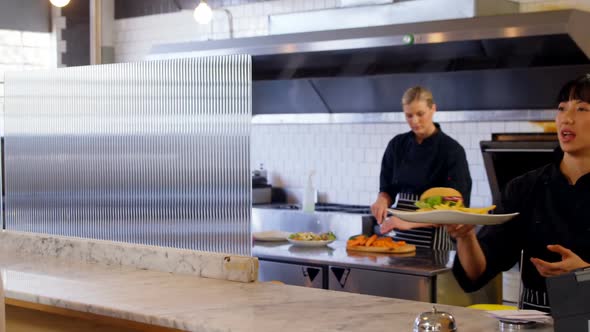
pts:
[173, 289]
[200, 304]
[2, 310]
[424, 262]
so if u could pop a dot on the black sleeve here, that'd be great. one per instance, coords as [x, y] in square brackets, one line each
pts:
[386, 177]
[501, 244]
[458, 175]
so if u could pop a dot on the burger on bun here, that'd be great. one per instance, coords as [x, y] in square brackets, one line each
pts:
[447, 197]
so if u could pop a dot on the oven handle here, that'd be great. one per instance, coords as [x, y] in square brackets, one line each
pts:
[518, 150]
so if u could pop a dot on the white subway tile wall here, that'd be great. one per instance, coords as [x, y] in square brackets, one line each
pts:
[346, 158]
[20, 50]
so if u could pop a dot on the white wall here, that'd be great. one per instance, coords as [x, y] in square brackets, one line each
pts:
[23, 51]
[346, 157]
[135, 36]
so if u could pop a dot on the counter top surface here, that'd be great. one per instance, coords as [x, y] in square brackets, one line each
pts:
[2, 324]
[424, 262]
[199, 304]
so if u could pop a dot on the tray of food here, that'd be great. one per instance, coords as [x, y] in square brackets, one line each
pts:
[445, 206]
[382, 244]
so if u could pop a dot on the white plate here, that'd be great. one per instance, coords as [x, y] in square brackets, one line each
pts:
[271, 236]
[452, 217]
[301, 243]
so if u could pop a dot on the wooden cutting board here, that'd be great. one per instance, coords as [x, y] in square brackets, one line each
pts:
[397, 250]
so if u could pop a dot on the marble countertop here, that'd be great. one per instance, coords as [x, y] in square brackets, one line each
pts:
[193, 303]
[2, 323]
[424, 262]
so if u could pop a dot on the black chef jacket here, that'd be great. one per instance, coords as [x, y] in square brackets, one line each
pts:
[409, 167]
[552, 211]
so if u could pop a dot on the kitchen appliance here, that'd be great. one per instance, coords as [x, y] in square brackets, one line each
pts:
[460, 60]
[261, 190]
[509, 155]
[569, 296]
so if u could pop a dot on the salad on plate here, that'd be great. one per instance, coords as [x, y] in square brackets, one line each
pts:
[310, 239]
[311, 236]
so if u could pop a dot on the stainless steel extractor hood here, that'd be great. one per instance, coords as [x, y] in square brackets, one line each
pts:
[518, 40]
[475, 63]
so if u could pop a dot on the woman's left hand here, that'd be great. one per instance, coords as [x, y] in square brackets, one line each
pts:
[569, 262]
[394, 222]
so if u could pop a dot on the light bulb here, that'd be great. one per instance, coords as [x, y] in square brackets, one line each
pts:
[59, 3]
[203, 13]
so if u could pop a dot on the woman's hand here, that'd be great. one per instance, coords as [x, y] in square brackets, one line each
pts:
[460, 232]
[402, 225]
[569, 262]
[379, 208]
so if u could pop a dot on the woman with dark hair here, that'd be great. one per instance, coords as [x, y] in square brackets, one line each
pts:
[553, 229]
[415, 161]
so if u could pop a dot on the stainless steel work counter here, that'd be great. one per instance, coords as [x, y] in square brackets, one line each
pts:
[421, 276]
[424, 262]
[424, 275]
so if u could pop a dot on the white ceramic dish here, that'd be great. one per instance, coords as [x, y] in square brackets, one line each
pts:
[447, 217]
[300, 243]
[271, 236]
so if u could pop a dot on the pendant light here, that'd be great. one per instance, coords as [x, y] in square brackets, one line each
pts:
[59, 3]
[203, 13]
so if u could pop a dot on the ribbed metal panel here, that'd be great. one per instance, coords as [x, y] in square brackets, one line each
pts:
[151, 152]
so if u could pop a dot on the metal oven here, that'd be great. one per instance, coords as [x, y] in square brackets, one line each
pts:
[510, 155]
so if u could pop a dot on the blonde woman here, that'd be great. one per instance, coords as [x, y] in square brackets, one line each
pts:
[415, 161]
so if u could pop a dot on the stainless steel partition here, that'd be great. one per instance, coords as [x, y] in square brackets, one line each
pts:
[152, 152]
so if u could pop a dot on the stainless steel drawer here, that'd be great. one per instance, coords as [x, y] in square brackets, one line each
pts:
[291, 274]
[396, 285]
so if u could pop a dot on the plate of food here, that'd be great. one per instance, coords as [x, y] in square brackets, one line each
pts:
[310, 239]
[381, 244]
[445, 206]
[271, 236]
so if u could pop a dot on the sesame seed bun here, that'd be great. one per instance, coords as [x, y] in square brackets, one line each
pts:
[440, 191]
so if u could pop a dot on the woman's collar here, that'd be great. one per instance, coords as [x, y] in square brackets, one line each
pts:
[432, 137]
